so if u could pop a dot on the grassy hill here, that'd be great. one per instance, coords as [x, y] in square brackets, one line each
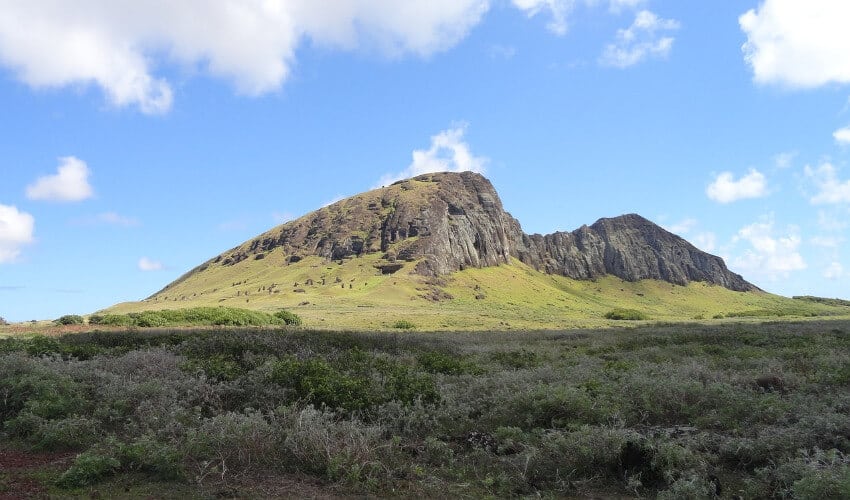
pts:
[354, 294]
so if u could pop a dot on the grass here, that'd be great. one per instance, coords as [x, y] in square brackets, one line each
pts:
[353, 295]
[759, 409]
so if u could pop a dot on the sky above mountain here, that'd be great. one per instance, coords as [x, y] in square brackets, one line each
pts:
[141, 138]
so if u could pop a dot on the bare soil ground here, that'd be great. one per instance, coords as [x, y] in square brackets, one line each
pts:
[18, 471]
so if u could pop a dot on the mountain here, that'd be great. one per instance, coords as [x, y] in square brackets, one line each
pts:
[440, 250]
[440, 223]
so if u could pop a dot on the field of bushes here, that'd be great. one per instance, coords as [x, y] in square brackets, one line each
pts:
[667, 411]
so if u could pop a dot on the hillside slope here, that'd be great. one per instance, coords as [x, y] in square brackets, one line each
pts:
[439, 250]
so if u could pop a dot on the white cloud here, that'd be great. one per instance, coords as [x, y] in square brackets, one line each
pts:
[826, 241]
[842, 136]
[834, 271]
[784, 160]
[505, 52]
[639, 41]
[559, 9]
[16, 230]
[706, 241]
[448, 153]
[684, 226]
[116, 219]
[107, 218]
[118, 46]
[725, 189]
[770, 255]
[831, 190]
[798, 44]
[831, 221]
[146, 264]
[70, 183]
[617, 6]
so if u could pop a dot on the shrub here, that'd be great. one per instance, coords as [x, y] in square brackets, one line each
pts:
[36, 391]
[70, 319]
[111, 320]
[218, 366]
[358, 383]
[3, 321]
[438, 362]
[319, 442]
[516, 360]
[40, 345]
[565, 456]
[403, 324]
[64, 434]
[288, 318]
[316, 381]
[147, 455]
[231, 444]
[626, 314]
[89, 468]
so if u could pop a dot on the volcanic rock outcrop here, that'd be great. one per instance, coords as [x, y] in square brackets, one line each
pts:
[444, 222]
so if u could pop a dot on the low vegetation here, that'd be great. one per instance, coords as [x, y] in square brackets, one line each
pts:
[195, 316]
[823, 300]
[620, 314]
[70, 319]
[676, 411]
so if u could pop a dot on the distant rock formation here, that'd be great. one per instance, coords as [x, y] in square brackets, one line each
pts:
[445, 222]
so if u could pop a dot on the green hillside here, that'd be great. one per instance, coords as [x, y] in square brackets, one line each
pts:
[354, 294]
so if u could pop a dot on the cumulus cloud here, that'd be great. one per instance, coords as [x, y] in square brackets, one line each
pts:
[798, 44]
[617, 6]
[770, 254]
[146, 264]
[831, 190]
[684, 226]
[784, 160]
[116, 219]
[706, 241]
[726, 189]
[69, 183]
[831, 220]
[842, 136]
[119, 46]
[16, 230]
[833, 271]
[826, 241]
[107, 219]
[448, 153]
[558, 9]
[643, 39]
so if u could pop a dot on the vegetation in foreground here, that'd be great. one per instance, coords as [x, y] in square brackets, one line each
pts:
[678, 411]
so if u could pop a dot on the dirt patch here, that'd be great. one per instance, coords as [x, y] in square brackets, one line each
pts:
[16, 468]
[289, 486]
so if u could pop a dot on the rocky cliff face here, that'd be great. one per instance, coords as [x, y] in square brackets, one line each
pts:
[450, 221]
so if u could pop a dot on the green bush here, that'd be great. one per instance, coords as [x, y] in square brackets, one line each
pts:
[40, 345]
[438, 362]
[89, 468]
[626, 314]
[150, 456]
[353, 384]
[517, 360]
[404, 324]
[288, 318]
[196, 316]
[70, 319]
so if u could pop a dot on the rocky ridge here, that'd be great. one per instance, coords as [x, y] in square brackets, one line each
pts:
[444, 222]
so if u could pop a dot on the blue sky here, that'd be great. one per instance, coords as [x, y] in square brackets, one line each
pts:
[139, 141]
